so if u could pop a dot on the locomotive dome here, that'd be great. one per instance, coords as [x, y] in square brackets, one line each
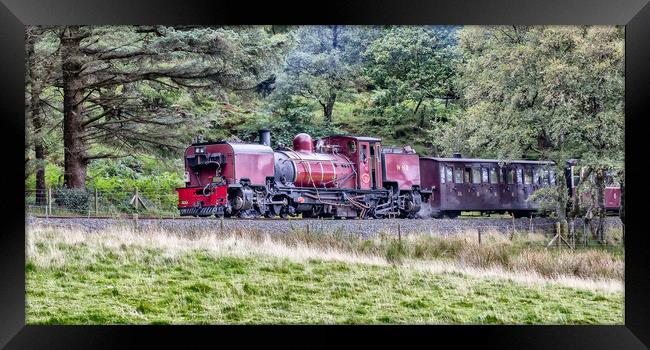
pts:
[302, 143]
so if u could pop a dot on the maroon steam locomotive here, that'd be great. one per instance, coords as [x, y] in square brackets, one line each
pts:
[349, 177]
[335, 176]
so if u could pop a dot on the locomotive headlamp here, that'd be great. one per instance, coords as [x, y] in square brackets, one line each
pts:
[199, 150]
[217, 179]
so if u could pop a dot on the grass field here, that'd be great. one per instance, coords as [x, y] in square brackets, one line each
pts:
[120, 276]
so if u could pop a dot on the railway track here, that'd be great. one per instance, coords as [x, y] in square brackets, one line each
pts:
[157, 218]
[277, 225]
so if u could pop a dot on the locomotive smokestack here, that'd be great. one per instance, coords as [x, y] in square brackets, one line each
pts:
[457, 155]
[265, 137]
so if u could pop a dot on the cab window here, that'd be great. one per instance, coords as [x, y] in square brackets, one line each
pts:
[520, 176]
[449, 173]
[442, 174]
[476, 175]
[352, 146]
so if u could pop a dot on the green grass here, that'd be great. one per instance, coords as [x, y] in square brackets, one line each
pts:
[136, 284]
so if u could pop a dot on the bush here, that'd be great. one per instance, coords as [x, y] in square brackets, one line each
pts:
[76, 199]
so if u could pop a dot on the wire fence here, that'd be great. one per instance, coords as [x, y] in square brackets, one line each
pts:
[125, 204]
[95, 203]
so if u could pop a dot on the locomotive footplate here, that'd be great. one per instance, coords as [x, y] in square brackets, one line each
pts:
[202, 211]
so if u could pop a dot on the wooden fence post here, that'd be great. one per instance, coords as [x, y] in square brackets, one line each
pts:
[558, 234]
[479, 235]
[49, 202]
[399, 233]
[221, 226]
[96, 203]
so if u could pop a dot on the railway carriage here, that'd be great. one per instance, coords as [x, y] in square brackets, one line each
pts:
[453, 185]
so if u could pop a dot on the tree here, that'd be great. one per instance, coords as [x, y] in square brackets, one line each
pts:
[546, 93]
[39, 75]
[324, 63]
[412, 70]
[122, 86]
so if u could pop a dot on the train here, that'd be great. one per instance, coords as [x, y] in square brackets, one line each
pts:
[344, 177]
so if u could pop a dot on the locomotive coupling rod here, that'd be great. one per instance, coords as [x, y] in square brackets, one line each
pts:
[282, 202]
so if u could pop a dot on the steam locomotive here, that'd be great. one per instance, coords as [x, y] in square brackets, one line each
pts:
[350, 177]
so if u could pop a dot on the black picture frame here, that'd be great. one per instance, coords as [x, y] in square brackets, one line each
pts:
[634, 14]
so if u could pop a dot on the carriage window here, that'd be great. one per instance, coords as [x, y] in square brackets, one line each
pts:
[364, 156]
[537, 176]
[493, 176]
[551, 175]
[468, 175]
[545, 177]
[485, 175]
[509, 175]
[458, 175]
[528, 176]
[476, 175]
[520, 176]
[450, 177]
[442, 174]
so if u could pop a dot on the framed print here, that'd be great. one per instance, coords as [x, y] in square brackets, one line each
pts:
[439, 167]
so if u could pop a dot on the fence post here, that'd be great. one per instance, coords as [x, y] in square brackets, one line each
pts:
[399, 233]
[479, 235]
[558, 233]
[137, 199]
[48, 210]
[96, 203]
[221, 225]
[531, 223]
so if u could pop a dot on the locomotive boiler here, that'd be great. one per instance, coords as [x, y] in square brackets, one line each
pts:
[335, 176]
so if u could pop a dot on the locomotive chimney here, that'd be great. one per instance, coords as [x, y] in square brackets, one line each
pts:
[457, 155]
[265, 137]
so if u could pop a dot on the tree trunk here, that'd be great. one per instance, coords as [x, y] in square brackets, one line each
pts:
[328, 108]
[600, 195]
[562, 202]
[73, 94]
[36, 119]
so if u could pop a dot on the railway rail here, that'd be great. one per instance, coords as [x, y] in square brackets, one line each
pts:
[363, 228]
